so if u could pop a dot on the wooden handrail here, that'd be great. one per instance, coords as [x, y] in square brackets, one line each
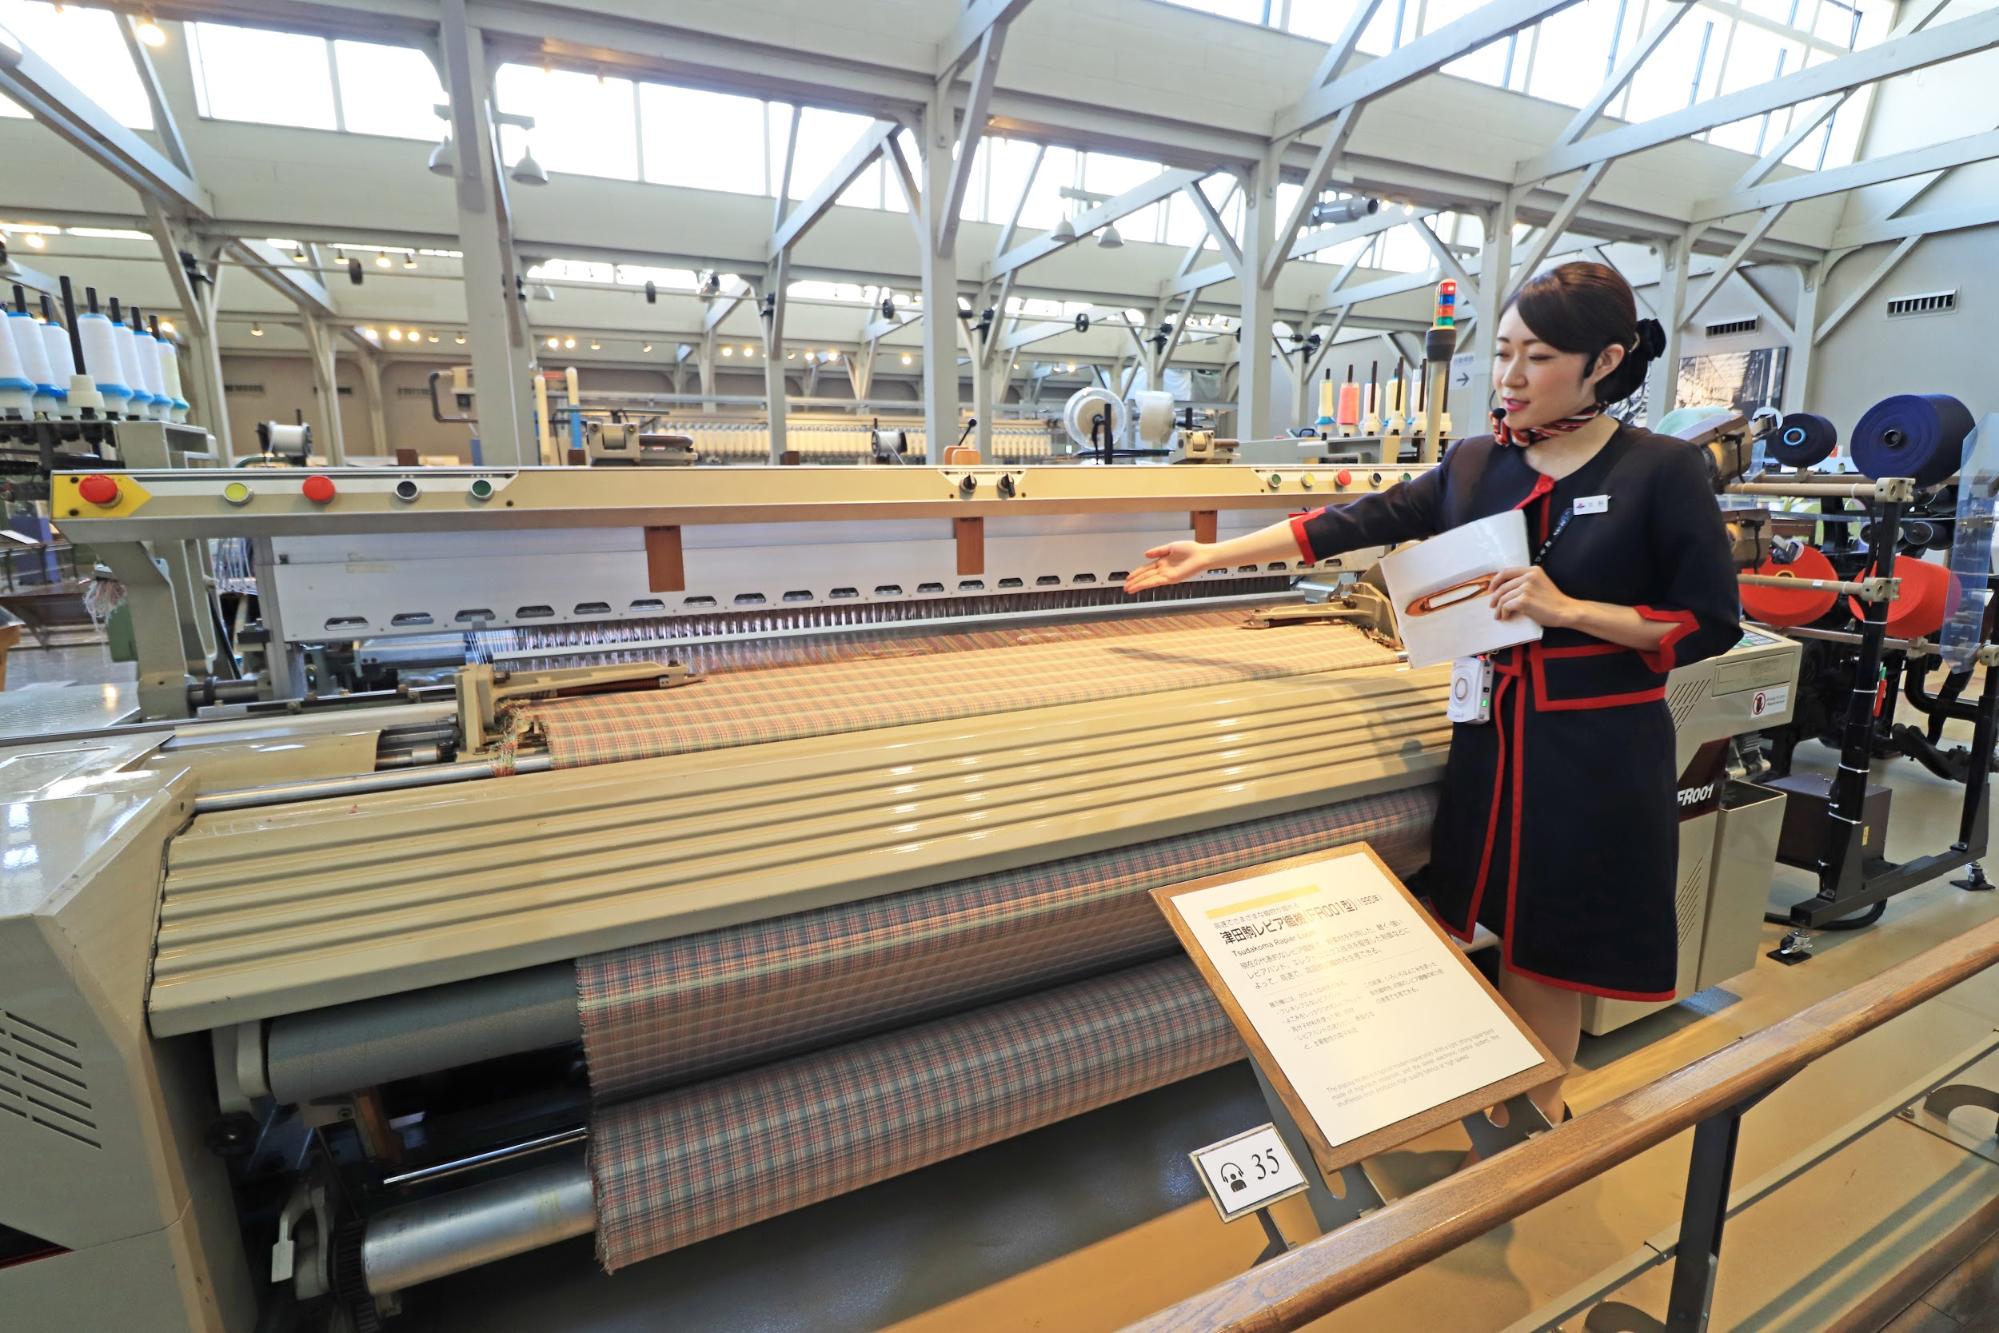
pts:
[1324, 1274]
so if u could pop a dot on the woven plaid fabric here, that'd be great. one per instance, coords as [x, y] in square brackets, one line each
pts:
[1031, 668]
[683, 1166]
[660, 1014]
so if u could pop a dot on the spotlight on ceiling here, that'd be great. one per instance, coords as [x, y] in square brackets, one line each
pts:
[150, 32]
[256, 330]
[381, 261]
[1350, 209]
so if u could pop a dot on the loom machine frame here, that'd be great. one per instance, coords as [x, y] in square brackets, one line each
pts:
[1853, 878]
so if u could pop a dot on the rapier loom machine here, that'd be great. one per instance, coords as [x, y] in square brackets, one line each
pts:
[814, 808]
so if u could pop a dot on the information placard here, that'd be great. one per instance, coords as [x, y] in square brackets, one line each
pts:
[1245, 1172]
[1372, 1028]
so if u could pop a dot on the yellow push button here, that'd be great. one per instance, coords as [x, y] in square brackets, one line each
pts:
[236, 493]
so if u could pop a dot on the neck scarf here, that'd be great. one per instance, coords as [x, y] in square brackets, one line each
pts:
[1506, 434]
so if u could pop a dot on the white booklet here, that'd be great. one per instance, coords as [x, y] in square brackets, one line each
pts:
[1442, 590]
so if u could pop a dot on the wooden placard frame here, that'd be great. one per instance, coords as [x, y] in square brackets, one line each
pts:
[1330, 1158]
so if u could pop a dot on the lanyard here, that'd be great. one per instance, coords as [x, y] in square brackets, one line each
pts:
[1561, 525]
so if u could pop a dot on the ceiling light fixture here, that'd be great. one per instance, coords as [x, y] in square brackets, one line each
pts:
[596, 346]
[1109, 239]
[569, 343]
[382, 260]
[37, 241]
[527, 171]
[906, 358]
[553, 342]
[150, 32]
[432, 338]
[299, 256]
[458, 338]
[395, 334]
[1064, 231]
[647, 347]
[728, 351]
[444, 158]
[256, 330]
[409, 260]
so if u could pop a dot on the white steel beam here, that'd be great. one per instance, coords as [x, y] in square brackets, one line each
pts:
[1627, 65]
[1801, 125]
[985, 71]
[1217, 230]
[164, 124]
[1867, 285]
[59, 104]
[1485, 24]
[1551, 235]
[1927, 223]
[1315, 180]
[1340, 50]
[806, 214]
[1917, 51]
[1162, 186]
[1450, 263]
[979, 19]
[1854, 176]
[1766, 220]
[724, 305]
[1321, 238]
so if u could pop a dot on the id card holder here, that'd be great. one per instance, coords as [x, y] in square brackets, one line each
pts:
[1471, 690]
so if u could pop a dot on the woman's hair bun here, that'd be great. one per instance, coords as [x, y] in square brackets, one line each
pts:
[1651, 338]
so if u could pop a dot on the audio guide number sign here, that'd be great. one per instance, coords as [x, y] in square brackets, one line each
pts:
[1248, 1171]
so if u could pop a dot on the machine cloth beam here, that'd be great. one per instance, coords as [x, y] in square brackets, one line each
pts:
[285, 908]
[682, 1166]
[998, 672]
[663, 1014]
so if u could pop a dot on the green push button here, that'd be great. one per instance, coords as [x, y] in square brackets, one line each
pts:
[482, 489]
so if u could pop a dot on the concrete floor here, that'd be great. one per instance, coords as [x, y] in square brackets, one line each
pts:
[1097, 1221]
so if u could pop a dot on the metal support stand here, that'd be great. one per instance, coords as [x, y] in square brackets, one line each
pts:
[156, 628]
[1975, 882]
[1358, 1195]
[1853, 877]
[1698, 1256]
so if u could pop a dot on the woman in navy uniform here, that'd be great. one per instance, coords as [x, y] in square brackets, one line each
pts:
[1558, 826]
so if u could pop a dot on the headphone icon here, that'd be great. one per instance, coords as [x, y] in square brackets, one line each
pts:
[1236, 1181]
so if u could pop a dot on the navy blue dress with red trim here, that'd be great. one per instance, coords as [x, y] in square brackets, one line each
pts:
[1558, 826]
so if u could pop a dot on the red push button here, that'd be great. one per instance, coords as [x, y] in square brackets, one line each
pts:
[318, 489]
[1345, 478]
[98, 489]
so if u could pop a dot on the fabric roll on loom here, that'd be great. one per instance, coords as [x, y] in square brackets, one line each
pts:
[677, 1168]
[662, 1014]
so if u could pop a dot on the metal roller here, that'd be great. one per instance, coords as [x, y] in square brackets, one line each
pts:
[1918, 435]
[497, 1219]
[349, 1046]
[1803, 439]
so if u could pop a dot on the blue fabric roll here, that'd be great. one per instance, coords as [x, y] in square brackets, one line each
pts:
[1802, 440]
[1918, 435]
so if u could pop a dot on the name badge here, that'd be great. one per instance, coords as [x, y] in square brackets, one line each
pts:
[1592, 504]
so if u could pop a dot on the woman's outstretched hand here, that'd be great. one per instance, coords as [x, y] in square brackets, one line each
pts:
[1173, 563]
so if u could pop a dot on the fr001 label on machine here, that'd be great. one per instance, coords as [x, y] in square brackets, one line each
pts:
[1244, 1173]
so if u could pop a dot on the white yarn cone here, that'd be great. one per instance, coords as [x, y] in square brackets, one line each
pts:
[62, 365]
[101, 361]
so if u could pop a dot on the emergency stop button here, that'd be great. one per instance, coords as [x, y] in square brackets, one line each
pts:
[98, 489]
[318, 489]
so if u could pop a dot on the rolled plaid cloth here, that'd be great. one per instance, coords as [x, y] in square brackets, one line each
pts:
[682, 1166]
[660, 1014]
[997, 672]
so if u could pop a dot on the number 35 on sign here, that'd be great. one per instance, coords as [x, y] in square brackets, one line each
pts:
[1244, 1173]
